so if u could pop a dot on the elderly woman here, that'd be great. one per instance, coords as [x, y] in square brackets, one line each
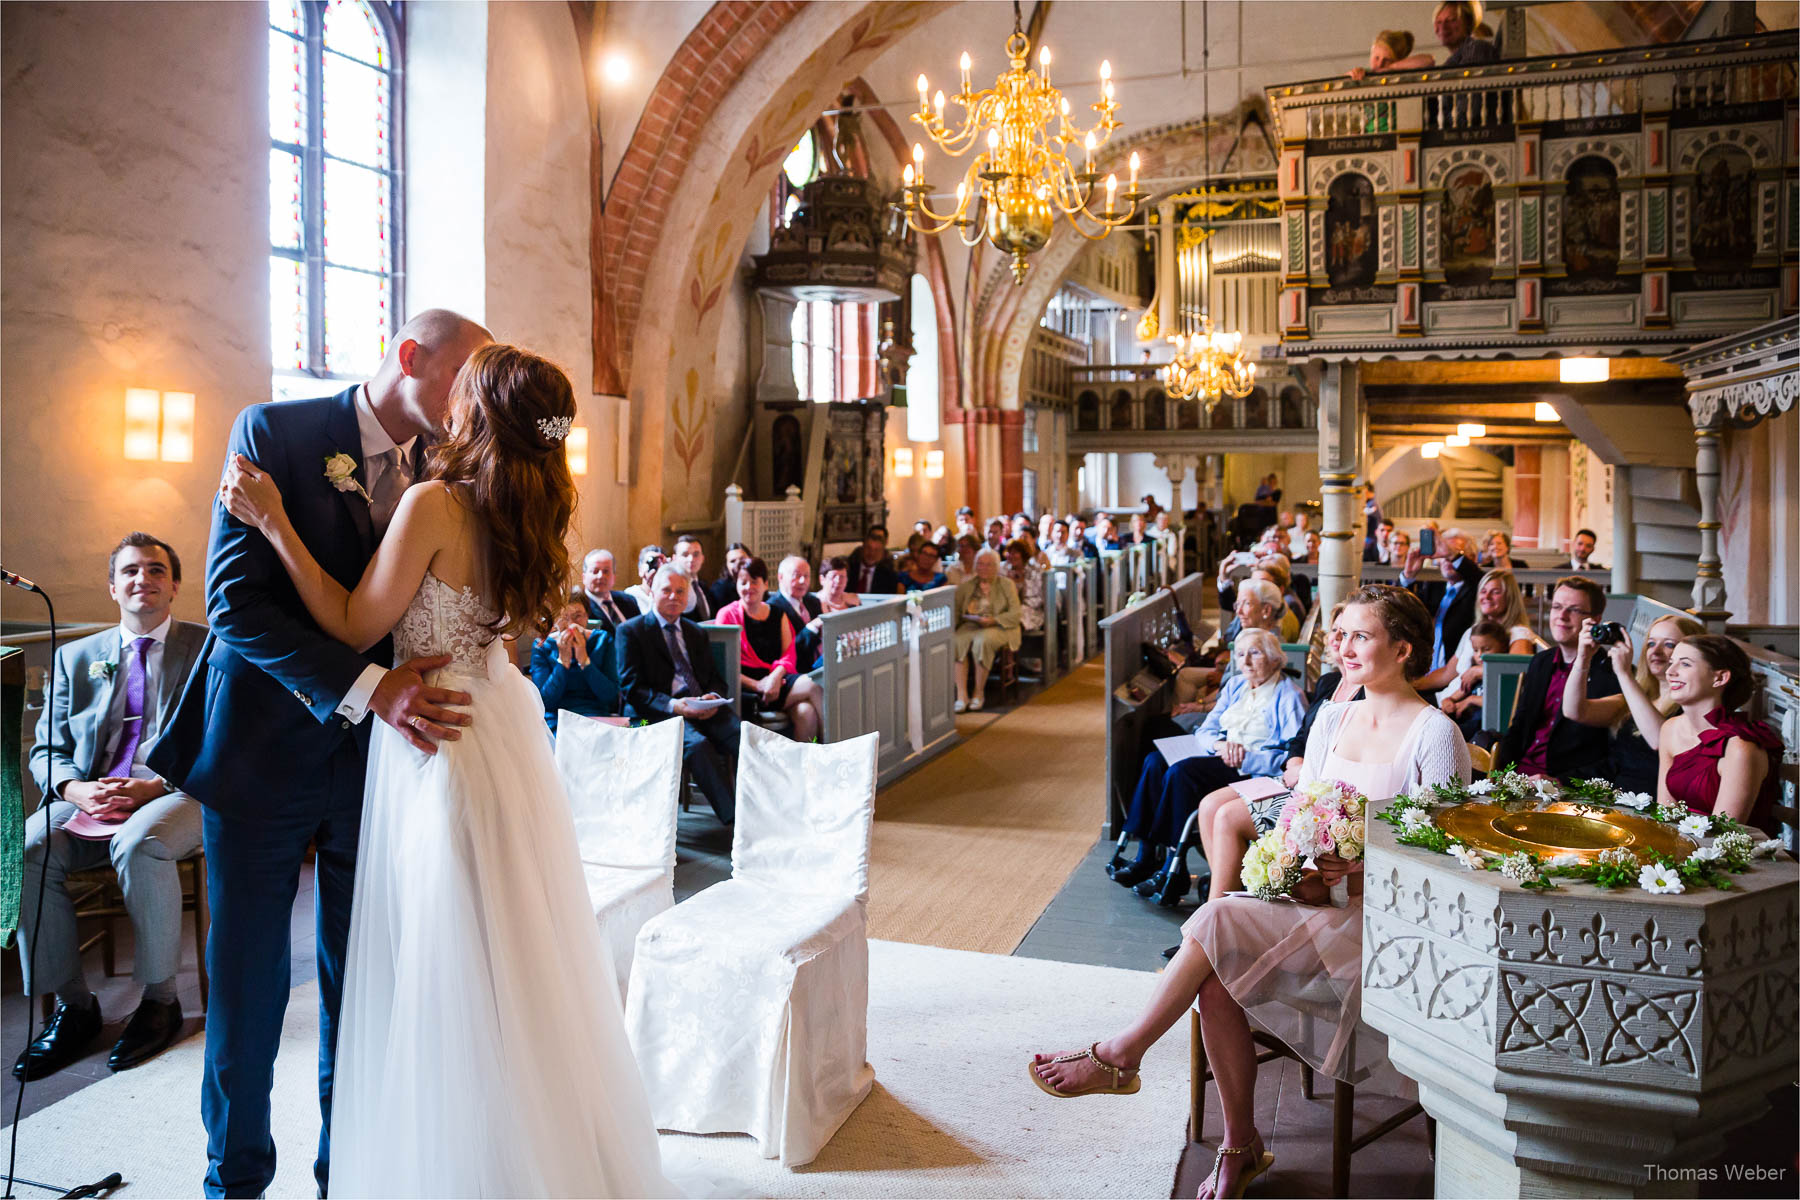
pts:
[767, 668]
[987, 621]
[575, 668]
[1713, 758]
[1244, 736]
[1027, 576]
[1637, 713]
[834, 585]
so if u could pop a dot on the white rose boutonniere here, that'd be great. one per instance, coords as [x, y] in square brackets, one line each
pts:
[102, 670]
[340, 473]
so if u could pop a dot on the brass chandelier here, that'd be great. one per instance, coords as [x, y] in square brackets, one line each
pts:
[1014, 188]
[1207, 366]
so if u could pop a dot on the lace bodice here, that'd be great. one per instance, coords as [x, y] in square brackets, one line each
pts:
[445, 620]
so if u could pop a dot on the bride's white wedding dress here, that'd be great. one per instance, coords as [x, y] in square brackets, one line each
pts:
[482, 1050]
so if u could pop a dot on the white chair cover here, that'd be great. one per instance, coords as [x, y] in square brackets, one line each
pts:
[748, 1006]
[623, 786]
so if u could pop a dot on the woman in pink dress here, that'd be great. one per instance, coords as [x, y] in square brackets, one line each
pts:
[1714, 759]
[1294, 969]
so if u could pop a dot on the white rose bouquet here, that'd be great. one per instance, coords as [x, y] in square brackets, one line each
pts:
[1321, 818]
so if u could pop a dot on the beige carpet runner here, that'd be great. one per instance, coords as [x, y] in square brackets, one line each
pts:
[970, 848]
[952, 1114]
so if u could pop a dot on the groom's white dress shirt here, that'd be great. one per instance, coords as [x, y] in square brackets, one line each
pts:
[376, 445]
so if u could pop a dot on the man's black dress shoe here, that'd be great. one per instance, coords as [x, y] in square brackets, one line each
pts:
[1135, 873]
[66, 1038]
[152, 1029]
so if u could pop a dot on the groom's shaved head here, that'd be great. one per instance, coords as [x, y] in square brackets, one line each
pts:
[411, 391]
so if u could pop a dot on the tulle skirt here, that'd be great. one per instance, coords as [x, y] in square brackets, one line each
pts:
[1296, 969]
[482, 1049]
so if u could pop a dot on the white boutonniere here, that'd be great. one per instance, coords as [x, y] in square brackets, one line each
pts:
[340, 473]
[102, 670]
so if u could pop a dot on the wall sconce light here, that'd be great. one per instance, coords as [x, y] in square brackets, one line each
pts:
[934, 464]
[1546, 412]
[1472, 430]
[615, 68]
[576, 447]
[903, 462]
[1456, 439]
[1584, 370]
[159, 425]
[1431, 449]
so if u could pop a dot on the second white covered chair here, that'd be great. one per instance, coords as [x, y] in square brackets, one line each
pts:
[623, 786]
[748, 1006]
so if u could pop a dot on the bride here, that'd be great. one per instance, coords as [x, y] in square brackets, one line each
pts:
[482, 1051]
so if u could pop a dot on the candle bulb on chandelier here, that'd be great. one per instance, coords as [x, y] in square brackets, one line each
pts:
[1112, 187]
[966, 63]
[1088, 147]
[924, 91]
[907, 175]
[937, 102]
[1134, 169]
[1044, 63]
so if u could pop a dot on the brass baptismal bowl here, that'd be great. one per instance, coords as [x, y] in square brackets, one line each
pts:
[1563, 827]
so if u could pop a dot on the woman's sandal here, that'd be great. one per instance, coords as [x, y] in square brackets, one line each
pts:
[1246, 1179]
[1115, 1088]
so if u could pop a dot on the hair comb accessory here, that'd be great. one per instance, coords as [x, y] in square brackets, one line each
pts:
[555, 429]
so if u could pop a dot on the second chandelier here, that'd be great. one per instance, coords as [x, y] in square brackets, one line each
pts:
[1014, 188]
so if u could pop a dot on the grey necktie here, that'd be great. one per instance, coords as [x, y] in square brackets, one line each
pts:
[685, 683]
[389, 485]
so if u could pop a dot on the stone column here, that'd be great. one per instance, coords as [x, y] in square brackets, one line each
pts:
[1709, 573]
[1342, 438]
[1624, 568]
[1166, 282]
[1177, 467]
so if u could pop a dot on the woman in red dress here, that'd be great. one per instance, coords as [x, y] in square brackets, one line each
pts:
[1714, 759]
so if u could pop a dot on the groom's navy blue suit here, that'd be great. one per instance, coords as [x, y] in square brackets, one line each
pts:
[256, 739]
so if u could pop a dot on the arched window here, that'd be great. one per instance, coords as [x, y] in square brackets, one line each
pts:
[334, 203]
[834, 350]
[922, 371]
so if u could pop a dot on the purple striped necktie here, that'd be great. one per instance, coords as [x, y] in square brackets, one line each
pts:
[136, 677]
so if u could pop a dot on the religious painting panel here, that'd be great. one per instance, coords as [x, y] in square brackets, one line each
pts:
[844, 457]
[787, 454]
[1352, 242]
[1467, 244]
[1590, 248]
[1723, 234]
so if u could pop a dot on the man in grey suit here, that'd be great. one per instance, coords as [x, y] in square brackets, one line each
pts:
[113, 692]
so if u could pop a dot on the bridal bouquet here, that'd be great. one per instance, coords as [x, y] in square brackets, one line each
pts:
[1321, 818]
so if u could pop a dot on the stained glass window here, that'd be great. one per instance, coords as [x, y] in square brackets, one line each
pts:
[333, 189]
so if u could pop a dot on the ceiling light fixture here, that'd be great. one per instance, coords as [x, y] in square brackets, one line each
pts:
[1469, 429]
[1546, 412]
[1584, 370]
[1458, 440]
[1431, 449]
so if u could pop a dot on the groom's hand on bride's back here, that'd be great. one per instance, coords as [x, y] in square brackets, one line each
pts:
[419, 711]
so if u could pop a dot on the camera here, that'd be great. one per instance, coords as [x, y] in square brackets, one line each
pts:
[1607, 633]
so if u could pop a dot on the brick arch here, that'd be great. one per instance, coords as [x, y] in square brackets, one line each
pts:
[703, 69]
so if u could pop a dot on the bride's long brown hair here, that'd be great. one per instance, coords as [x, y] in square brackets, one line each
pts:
[510, 406]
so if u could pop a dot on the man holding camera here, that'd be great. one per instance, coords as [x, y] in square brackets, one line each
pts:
[1539, 738]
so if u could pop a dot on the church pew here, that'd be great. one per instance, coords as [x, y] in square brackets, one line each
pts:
[868, 673]
[1133, 696]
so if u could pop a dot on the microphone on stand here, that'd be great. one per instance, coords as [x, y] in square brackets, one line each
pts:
[19, 581]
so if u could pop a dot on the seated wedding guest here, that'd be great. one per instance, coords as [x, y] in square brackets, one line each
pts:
[1274, 571]
[576, 668]
[1078, 537]
[1392, 51]
[691, 557]
[113, 691]
[1714, 758]
[1242, 957]
[1044, 522]
[1455, 23]
[606, 608]
[922, 527]
[1243, 737]
[1312, 546]
[1399, 546]
[965, 523]
[650, 559]
[1106, 533]
[770, 675]
[1137, 531]
[1378, 549]
[723, 590]
[1021, 525]
[1028, 577]
[964, 567]
[1033, 552]
[997, 531]
[1538, 738]
[666, 670]
[1460, 700]
[1060, 551]
[1497, 599]
[794, 597]
[1581, 551]
[1235, 815]
[1633, 718]
[924, 573]
[834, 594]
[987, 622]
[871, 574]
[1496, 551]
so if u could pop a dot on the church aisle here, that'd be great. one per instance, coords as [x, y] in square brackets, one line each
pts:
[972, 847]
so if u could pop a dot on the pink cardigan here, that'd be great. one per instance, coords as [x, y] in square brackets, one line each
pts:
[733, 614]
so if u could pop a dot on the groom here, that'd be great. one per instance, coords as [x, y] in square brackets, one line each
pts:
[270, 736]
